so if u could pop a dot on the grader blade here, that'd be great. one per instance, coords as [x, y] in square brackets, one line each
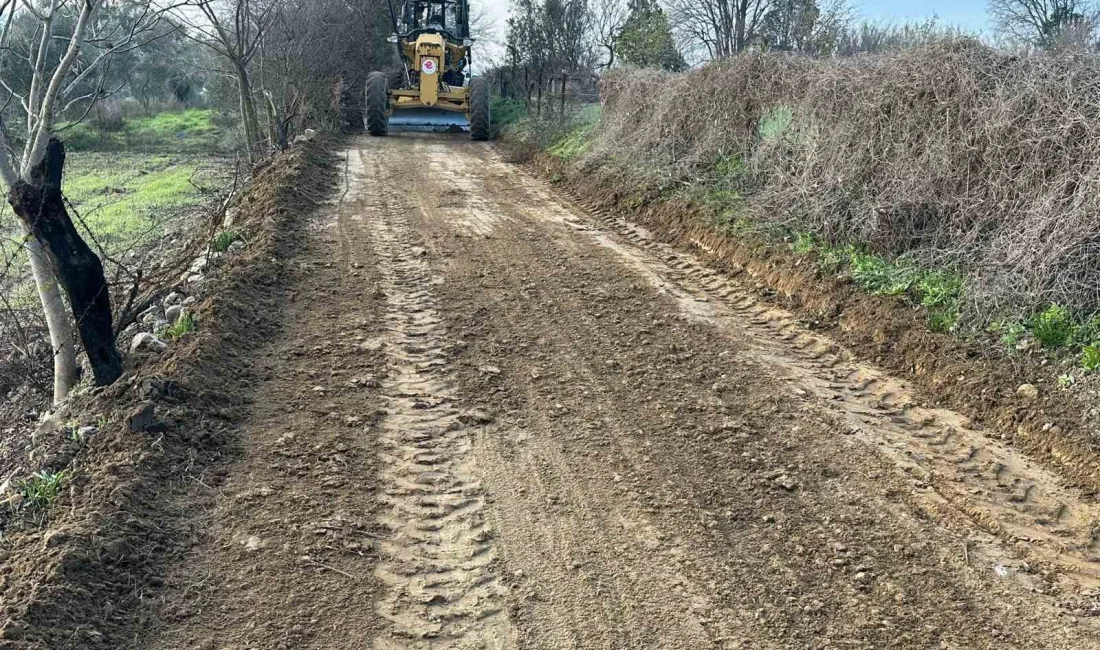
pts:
[428, 120]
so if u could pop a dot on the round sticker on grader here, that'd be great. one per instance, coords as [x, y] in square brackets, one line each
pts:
[427, 66]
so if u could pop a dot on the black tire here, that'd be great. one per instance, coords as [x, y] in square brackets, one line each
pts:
[480, 115]
[378, 104]
[396, 79]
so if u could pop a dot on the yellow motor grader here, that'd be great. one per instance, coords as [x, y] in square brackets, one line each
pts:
[432, 88]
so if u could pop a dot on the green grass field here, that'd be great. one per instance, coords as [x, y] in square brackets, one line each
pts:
[131, 188]
[126, 184]
[124, 198]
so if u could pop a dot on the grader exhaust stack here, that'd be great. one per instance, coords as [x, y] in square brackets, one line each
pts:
[431, 88]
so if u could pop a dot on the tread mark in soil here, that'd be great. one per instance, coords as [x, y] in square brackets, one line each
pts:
[439, 561]
[949, 465]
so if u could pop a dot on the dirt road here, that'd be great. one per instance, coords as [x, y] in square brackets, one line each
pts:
[496, 419]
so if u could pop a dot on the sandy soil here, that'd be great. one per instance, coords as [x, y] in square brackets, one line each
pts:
[495, 418]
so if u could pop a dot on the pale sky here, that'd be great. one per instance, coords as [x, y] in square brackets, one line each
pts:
[969, 14]
[498, 10]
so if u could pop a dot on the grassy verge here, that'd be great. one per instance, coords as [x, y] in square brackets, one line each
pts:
[566, 138]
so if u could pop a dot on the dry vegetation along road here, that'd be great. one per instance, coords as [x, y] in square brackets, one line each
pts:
[496, 418]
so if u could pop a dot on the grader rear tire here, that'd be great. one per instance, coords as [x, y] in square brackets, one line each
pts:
[378, 104]
[480, 115]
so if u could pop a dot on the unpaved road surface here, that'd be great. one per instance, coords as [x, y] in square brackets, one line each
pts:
[497, 419]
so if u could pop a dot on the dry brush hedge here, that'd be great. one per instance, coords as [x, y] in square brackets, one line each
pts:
[957, 155]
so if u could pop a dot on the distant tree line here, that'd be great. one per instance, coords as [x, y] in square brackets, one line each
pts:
[546, 38]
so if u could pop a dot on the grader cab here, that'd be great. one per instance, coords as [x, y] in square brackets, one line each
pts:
[431, 88]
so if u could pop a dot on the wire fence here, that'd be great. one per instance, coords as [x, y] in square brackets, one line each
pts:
[545, 94]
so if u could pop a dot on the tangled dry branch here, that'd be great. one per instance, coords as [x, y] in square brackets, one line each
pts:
[956, 155]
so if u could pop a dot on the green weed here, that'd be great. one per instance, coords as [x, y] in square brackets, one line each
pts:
[940, 293]
[1053, 327]
[184, 325]
[775, 124]
[1066, 381]
[880, 276]
[803, 243]
[1009, 332]
[1087, 332]
[1090, 357]
[224, 239]
[729, 166]
[835, 258]
[42, 488]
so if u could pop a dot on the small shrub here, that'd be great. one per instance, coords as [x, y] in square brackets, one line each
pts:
[880, 276]
[803, 243]
[184, 325]
[1090, 358]
[42, 488]
[224, 239]
[1053, 327]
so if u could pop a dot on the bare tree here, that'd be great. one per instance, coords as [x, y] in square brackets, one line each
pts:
[718, 27]
[234, 30]
[608, 18]
[313, 62]
[483, 27]
[59, 258]
[875, 38]
[1046, 23]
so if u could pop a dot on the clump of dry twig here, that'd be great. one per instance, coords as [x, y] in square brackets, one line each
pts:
[958, 155]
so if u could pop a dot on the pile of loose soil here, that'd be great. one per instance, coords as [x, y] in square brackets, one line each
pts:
[74, 572]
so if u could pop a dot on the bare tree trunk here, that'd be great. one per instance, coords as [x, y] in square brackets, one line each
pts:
[41, 207]
[248, 112]
[57, 318]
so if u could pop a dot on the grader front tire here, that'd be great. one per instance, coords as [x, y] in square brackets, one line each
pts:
[480, 115]
[378, 103]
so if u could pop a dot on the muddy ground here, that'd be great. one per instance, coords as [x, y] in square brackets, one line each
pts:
[493, 418]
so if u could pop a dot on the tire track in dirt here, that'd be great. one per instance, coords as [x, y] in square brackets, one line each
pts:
[439, 560]
[997, 487]
[661, 482]
[591, 570]
[1043, 526]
